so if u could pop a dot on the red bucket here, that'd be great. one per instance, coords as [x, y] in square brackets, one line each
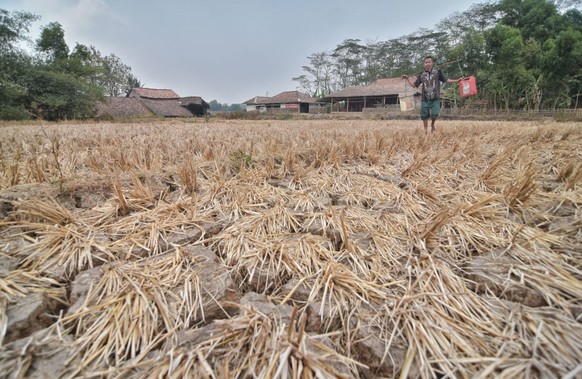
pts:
[468, 86]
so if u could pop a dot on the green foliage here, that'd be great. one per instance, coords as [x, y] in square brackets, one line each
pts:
[317, 82]
[54, 95]
[9, 112]
[239, 160]
[505, 45]
[573, 17]
[51, 43]
[215, 106]
[109, 72]
[54, 84]
[132, 82]
[14, 27]
[564, 54]
[536, 19]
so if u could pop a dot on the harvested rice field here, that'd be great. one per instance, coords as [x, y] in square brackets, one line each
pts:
[291, 249]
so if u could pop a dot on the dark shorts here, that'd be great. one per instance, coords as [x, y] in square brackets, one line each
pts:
[430, 109]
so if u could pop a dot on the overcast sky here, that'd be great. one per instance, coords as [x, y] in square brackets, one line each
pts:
[229, 50]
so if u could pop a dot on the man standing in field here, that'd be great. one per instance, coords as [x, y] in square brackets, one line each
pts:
[430, 79]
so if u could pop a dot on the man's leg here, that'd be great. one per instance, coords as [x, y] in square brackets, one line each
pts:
[425, 114]
[435, 110]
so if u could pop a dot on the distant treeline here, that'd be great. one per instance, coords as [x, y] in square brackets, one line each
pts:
[215, 106]
[525, 54]
[51, 81]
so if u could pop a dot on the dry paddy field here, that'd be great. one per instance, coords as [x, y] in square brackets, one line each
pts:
[291, 249]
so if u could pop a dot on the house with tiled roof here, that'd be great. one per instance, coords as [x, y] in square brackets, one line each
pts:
[162, 102]
[285, 102]
[385, 93]
[257, 103]
[152, 102]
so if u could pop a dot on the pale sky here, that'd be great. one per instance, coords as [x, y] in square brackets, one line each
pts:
[228, 50]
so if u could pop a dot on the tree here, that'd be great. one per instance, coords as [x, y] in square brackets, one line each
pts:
[132, 82]
[60, 86]
[537, 19]
[54, 84]
[505, 48]
[349, 62]
[375, 55]
[51, 43]
[115, 76]
[567, 4]
[13, 67]
[396, 56]
[14, 63]
[55, 95]
[215, 106]
[574, 17]
[563, 67]
[14, 27]
[317, 81]
[111, 73]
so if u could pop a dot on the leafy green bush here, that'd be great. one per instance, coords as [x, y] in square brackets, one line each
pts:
[240, 159]
[17, 113]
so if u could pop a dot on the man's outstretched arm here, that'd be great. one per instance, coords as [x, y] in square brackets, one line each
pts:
[409, 80]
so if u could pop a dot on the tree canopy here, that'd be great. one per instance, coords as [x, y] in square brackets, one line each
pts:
[52, 82]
